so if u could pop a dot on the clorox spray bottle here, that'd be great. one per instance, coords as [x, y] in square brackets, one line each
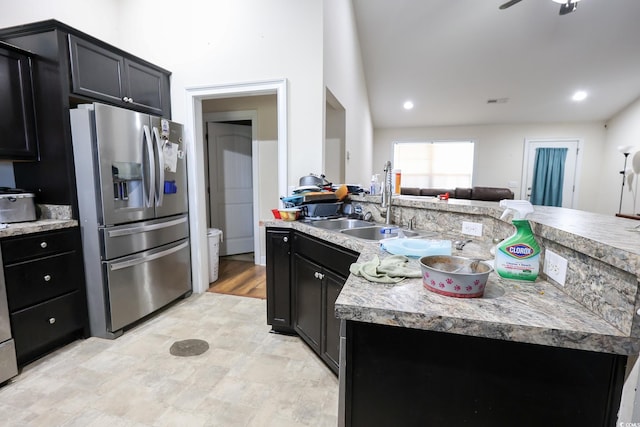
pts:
[518, 256]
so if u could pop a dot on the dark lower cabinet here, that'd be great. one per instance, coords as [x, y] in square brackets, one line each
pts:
[407, 377]
[320, 269]
[278, 247]
[304, 278]
[307, 291]
[44, 277]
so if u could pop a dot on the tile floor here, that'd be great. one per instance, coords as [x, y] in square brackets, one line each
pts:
[248, 377]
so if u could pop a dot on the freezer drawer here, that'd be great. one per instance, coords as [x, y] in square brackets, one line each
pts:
[127, 239]
[140, 284]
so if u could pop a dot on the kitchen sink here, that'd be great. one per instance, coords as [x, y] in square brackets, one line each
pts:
[340, 223]
[379, 232]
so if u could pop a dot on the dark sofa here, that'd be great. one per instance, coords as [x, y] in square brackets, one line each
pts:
[490, 194]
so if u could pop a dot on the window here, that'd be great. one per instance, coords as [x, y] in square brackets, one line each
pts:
[434, 164]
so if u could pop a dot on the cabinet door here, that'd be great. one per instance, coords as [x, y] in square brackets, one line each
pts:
[96, 72]
[307, 291]
[17, 116]
[278, 244]
[42, 327]
[331, 335]
[144, 87]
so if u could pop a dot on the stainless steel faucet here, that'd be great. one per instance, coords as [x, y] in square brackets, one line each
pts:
[386, 191]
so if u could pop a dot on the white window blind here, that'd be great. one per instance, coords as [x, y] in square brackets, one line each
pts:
[434, 164]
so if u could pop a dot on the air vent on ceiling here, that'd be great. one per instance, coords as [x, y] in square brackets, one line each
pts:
[497, 101]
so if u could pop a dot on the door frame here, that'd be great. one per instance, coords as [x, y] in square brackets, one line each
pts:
[255, 182]
[525, 163]
[194, 137]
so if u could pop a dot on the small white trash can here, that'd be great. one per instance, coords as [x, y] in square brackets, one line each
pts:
[214, 236]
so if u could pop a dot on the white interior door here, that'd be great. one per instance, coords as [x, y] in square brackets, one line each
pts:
[569, 190]
[230, 186]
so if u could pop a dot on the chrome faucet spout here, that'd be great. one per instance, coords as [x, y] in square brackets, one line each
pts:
[386, 191]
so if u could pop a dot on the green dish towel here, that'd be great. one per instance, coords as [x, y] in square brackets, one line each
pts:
[392, 269]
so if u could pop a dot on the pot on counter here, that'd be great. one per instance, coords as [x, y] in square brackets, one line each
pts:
[16, 206]
[311, 179]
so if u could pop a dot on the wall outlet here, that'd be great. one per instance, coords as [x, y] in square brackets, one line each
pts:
[555, 267]
[472, 228]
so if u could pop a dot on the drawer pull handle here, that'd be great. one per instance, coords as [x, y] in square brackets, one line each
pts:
[285, 239]
[52, 320]
[43, 245]
[47, 277]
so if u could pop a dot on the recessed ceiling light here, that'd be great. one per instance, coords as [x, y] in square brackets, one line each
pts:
[408, 105]
[579, 95]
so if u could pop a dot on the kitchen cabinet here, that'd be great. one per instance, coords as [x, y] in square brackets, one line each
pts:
[319, 272]
[45, 286]
[411, 377]
[278, 273]
[103, 74]
[17, 112]
[304, 278]
[63, 79]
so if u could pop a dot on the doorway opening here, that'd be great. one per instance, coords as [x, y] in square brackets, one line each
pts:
[571, 167]
[194, 129]
[231, 169]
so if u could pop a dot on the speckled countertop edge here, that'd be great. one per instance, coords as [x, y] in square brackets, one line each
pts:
[536, 313]
[52, 217]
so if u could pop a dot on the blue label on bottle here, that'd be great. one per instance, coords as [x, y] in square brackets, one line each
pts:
[519, 250]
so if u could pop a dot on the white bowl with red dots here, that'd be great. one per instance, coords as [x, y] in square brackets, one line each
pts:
[455, 276]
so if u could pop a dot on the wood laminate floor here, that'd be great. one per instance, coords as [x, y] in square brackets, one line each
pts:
[238, 275]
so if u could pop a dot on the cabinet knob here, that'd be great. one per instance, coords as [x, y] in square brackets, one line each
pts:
[43, 245]
[285, 239]
[52, 320]
[319, 276]
[47, 277]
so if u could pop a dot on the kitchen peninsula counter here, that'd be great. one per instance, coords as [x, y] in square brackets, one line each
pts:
[532, 312]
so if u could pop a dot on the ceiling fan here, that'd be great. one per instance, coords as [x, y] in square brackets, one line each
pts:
[566, 6]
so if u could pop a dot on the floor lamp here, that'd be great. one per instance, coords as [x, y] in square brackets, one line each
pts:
[625, 150]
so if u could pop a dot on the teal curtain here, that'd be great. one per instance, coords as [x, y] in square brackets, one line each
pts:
[548, 176]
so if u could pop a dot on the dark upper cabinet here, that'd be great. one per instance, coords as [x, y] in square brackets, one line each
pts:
[103, 74]
[17, 113]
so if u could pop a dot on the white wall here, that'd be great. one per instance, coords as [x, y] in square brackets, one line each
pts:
[500, 149]
[98, 18]
[623, 129]
[344, 77]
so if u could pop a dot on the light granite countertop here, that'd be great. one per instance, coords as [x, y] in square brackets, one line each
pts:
[52, 217]
[531, 312]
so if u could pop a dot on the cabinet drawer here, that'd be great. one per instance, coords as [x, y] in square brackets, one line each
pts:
[42, 327]
[37, 245]
[329, 256]
[33, 282]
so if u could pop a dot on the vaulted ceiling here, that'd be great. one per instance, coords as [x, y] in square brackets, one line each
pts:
[450, 57]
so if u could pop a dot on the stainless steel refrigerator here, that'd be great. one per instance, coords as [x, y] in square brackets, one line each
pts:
[132, 201]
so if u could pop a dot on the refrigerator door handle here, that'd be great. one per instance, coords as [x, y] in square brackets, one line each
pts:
[150, 174]
[160, 182]
[143, 259]
[143, 228]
